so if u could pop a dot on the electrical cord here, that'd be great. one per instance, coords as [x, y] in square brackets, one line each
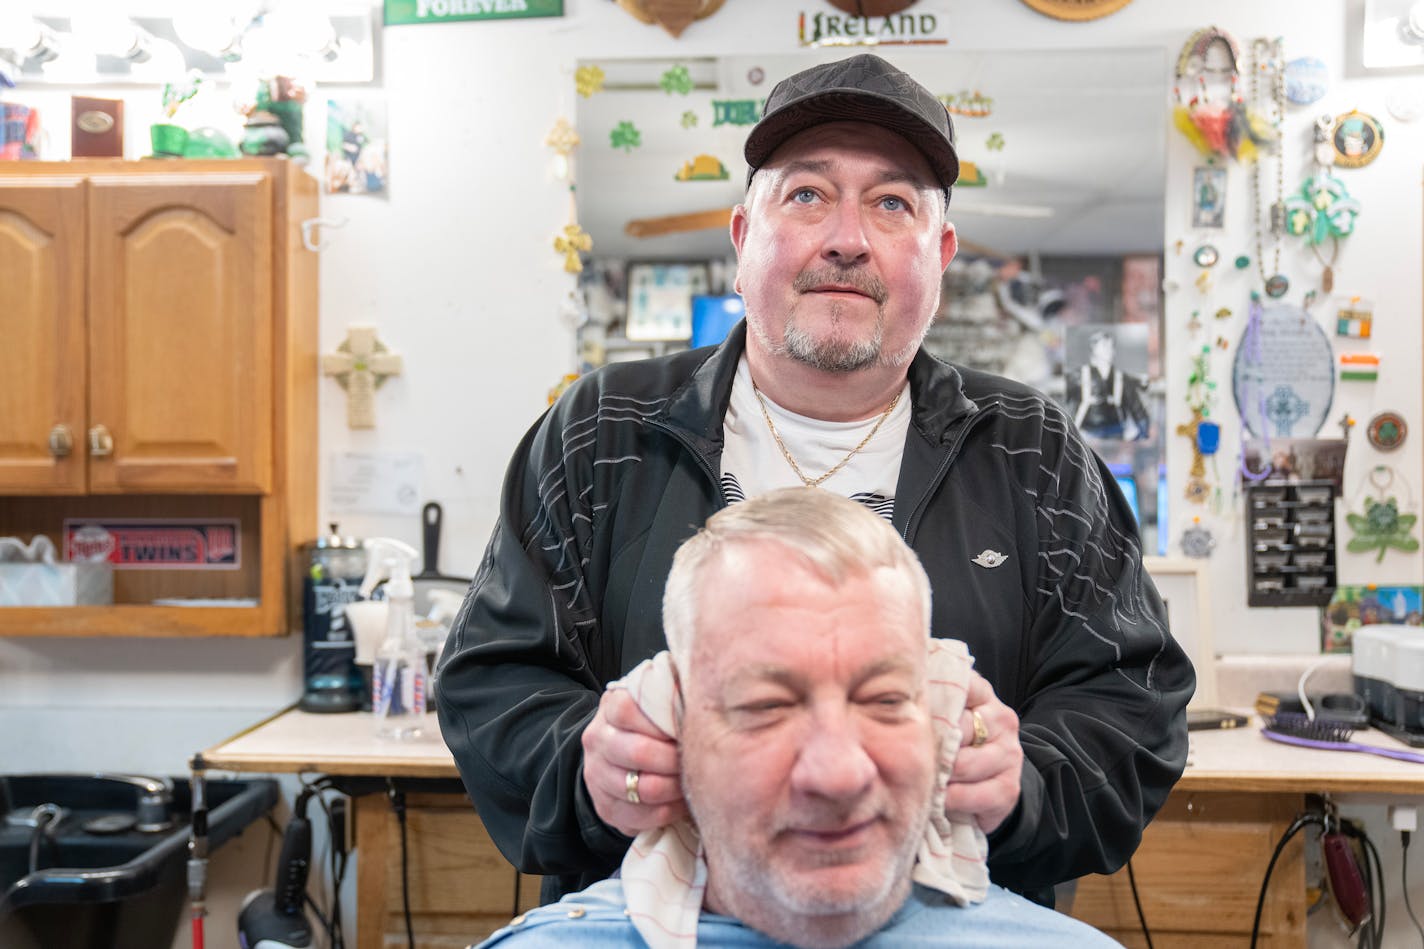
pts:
[398, 805]
[1404, 836]
[1300, 823]
[338, 861]
[1136, 901]
[320, 916]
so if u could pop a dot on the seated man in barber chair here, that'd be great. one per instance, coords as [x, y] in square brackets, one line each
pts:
[818, 723]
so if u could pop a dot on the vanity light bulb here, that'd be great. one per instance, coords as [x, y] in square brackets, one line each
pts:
[112, 34]
[302, 32]
[1411, 25]
[30, 39]
[216, 34]
[559, 166]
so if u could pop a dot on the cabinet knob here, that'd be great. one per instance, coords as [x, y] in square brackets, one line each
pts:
[101, 443]
[61, 441]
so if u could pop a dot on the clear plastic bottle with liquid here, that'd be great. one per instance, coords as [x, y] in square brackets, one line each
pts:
[398, 682]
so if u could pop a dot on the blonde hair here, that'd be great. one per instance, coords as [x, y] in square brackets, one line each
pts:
[832, 535]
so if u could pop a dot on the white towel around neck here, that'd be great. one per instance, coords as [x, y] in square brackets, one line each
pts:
[664, 872]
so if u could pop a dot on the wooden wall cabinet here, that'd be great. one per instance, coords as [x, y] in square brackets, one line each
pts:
[160, 323]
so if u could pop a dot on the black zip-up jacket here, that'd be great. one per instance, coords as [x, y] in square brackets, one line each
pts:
[625, 466]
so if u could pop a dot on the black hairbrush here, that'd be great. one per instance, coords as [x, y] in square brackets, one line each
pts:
[1297, 729]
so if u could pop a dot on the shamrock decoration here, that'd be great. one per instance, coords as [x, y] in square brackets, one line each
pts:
[625, 136]
[588, 80]
[1322, 209]
[689, 119]
[995, 142]
[677, 79]
[1382, 527]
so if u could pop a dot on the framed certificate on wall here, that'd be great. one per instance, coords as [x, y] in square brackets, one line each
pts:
[660, 298]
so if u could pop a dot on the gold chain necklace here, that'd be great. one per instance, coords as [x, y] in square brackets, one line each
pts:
[785, 453]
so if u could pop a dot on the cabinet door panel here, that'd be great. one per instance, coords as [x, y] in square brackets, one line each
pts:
[180, 304]
[42, 325]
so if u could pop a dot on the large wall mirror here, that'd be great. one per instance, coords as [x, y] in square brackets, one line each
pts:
[1061, 229]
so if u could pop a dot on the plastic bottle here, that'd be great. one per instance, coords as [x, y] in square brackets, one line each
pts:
[398, 682]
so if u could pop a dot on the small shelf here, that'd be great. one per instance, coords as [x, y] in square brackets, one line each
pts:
[1290, 544]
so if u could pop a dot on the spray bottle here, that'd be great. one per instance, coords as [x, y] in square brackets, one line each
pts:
[398, 678]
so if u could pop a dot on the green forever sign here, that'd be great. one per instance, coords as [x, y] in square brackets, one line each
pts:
[444, 11]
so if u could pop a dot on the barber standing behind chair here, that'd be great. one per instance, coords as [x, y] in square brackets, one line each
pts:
[817, 721]
[1032, 553]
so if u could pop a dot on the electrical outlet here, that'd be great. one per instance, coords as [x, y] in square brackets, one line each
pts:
[1404, 817]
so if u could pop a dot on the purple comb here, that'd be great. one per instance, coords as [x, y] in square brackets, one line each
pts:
[1327, 736]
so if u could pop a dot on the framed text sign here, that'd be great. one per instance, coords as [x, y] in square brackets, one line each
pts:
[442, 11]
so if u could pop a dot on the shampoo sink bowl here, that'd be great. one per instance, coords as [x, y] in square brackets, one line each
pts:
[98, 861]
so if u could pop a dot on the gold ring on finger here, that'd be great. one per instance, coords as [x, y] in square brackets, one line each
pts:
[630, 783]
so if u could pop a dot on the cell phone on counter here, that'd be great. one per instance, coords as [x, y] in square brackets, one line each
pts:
[1200, 719]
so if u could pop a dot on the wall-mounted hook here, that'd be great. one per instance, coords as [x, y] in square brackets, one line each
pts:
[312, 222]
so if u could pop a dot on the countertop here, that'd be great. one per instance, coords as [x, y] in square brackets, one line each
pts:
[1239, 759]
[343, 743]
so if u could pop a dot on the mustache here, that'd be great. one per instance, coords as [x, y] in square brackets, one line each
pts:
[859, 279]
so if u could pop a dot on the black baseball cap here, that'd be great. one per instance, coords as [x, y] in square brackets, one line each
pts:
[863, 88]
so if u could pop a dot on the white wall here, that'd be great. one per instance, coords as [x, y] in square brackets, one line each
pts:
[456, 268]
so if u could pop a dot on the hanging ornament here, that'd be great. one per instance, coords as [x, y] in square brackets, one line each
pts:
[1355, 320]
[974, 104]
[1386, 431]
[1322, 209]
[564, 141]
[625, 135]
[588, 80]
[1208, 196]
[1205, 256]
[1357, 140]
[1382, 525]
[573, 240]
[702, 168]
[1197, 541]
[1266, 60]
[1323, 150]
[1205, 435]
[1283, 377]
[678, 80]
[1208, 108]
[1307, 78]
[1359, 367]
[674, 16]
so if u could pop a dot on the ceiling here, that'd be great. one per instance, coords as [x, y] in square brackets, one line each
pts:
[1081, 171]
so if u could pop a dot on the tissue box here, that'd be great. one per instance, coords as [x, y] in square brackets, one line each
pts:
[56, 584]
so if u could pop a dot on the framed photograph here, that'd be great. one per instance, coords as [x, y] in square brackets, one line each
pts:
[1105, 380]
[1183, 585]
[1208, 196]
[660, 298]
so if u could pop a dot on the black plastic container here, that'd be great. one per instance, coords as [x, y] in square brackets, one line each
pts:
[333, 568]
[121, 889]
